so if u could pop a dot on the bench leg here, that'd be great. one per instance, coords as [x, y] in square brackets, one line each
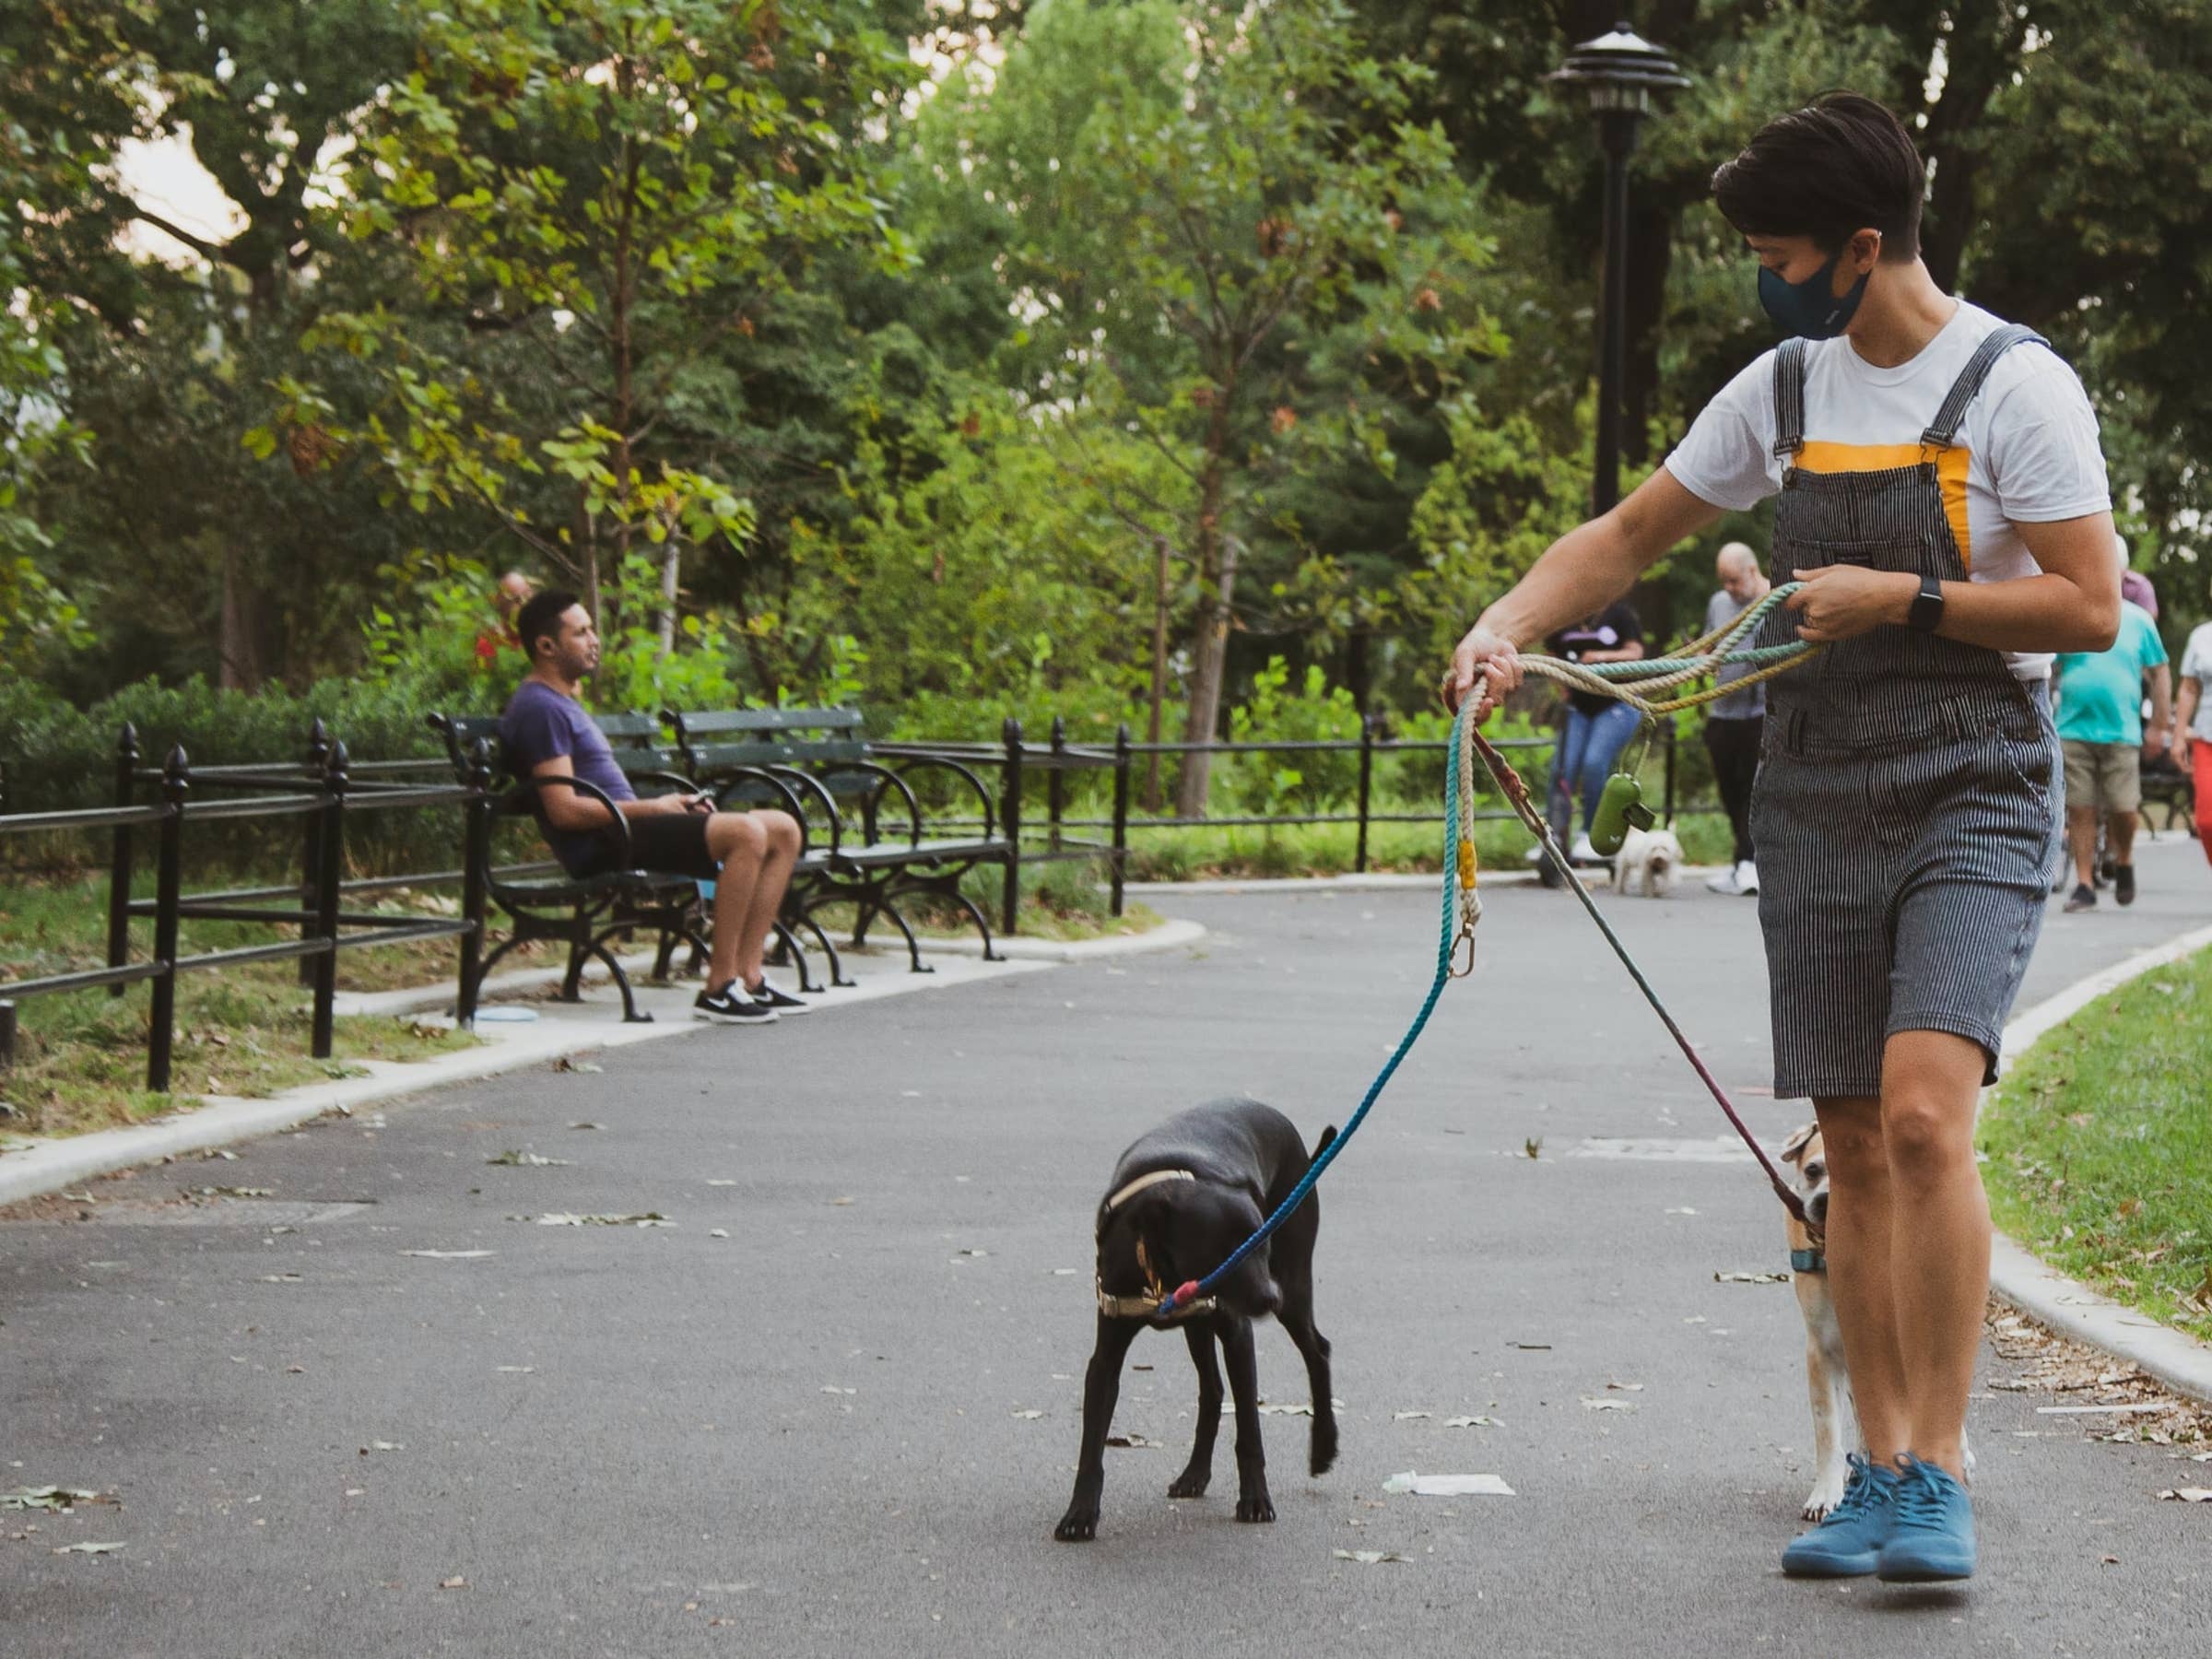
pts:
[630, 1014]
[572, 983]
[913, 946]
[837, 966]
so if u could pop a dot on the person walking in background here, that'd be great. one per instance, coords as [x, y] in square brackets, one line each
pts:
[2100, 729]
[1598, 727]
[2192, 721]
[1733, 722]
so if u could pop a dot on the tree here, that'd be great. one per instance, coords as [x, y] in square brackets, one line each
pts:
[594, 198]
[1178, 205]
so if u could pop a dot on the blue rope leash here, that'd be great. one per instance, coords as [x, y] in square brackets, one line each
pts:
[1195, 1289]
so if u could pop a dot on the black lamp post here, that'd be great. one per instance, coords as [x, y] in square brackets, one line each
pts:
[1621, 70]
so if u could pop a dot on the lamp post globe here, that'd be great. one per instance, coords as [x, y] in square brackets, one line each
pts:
[1620, 71]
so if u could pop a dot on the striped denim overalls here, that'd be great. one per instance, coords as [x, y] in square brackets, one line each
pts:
[1908, 797]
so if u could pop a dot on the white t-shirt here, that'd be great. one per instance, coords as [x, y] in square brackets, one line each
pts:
[2196, 665]
[2026, 454]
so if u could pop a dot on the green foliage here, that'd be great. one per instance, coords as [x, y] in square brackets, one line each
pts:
[1293, 782]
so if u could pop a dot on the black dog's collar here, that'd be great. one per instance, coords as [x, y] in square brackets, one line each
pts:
[1808, 1261]
[1147, 1305]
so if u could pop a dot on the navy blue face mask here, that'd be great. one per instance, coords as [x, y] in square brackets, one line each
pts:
[1810, 308]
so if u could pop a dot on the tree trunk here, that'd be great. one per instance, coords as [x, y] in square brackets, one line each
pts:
[1209, 636]
[238, 644]
[1159, 676]
[672, 559]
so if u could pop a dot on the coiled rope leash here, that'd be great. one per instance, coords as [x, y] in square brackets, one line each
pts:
[1634, 684]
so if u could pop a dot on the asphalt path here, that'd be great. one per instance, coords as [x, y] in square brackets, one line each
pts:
[833, 1409]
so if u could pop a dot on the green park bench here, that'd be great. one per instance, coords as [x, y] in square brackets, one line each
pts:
[881, 825]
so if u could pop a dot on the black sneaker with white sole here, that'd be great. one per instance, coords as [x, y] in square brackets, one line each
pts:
[783, 1002]
[731, 1007]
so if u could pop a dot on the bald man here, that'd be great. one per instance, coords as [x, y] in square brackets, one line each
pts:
[1733, 722]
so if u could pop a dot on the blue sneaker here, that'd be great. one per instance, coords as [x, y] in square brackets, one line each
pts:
[1848, 1540]
[1932, 1531]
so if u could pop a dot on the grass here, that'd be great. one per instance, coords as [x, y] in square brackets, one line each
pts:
[1329, 849]
[80, 1060]
[2099, 1145]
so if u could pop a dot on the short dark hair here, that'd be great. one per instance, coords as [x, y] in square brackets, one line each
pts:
[540, 619]
[1840, 165]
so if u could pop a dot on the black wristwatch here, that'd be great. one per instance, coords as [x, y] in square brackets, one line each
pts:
[1926, 615]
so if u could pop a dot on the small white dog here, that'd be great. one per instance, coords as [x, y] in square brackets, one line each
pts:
[1835, 1417]
[1651, 856]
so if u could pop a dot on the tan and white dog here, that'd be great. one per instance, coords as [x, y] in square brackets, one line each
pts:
[1835, 1417]
[1651, 857]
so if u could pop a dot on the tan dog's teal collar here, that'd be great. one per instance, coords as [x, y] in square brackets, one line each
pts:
[1146, 1305]
[1808, 1261]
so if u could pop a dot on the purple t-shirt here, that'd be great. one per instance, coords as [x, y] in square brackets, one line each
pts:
[540, 724]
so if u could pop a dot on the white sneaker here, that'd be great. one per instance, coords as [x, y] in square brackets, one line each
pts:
[1747, 877]
[1725, 883]
[1584, 853]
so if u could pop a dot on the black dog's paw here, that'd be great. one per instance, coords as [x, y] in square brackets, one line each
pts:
[1191, 1483]
[1324, 1446]
[1255, 1506]
[1078, 1526]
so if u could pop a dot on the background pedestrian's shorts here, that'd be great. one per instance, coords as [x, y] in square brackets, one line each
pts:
[1904, 866]
[2108, 776]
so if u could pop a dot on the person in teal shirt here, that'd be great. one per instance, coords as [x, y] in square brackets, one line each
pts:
[2100, 729]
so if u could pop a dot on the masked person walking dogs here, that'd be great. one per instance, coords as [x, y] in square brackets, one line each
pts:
[1944, 502]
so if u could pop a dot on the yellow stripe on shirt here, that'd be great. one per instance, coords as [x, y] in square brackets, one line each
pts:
[1821, 456]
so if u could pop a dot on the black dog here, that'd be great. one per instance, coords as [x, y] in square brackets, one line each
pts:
[1182, 1198]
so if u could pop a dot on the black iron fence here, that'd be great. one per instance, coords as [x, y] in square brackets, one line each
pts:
[325, 787]
[322, 794]
[1058, 758]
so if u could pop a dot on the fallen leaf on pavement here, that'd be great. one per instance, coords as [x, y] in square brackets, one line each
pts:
[1473, 1423]
[566, 1065]
[87, 1548]
[1750, 1279]
[1367, 1558]
[60, 1499]
[528, 1160]
[718, 1232]
[1627, 1387]
[447, 1256]
[2188, 1494]
[566, 1218]
[453, 1583]
[1402, 1417]
[1132, 1440]
[1029, 1414]
[1590, 1404]
[587, 1126]
[281, 1278]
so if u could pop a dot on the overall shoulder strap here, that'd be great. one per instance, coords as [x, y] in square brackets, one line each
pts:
[1943, 429]
[1789, 396]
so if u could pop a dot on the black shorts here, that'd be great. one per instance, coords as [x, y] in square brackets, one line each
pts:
[666, 843]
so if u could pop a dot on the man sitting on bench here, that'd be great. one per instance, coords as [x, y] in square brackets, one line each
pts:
[749, 855]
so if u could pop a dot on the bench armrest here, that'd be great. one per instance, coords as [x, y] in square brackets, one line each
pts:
[966, 774]
[534, 786]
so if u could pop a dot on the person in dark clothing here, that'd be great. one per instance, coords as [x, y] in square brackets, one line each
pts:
[749, 855]
[1598, 727]
[1733, 724]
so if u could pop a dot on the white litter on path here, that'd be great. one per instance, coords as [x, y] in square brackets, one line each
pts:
[1449, 1486]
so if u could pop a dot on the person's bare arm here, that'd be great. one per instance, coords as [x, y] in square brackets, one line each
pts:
[572, 812]
[2072, 605]
[1584, 572]
[2184, 712]
[2161, 710]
